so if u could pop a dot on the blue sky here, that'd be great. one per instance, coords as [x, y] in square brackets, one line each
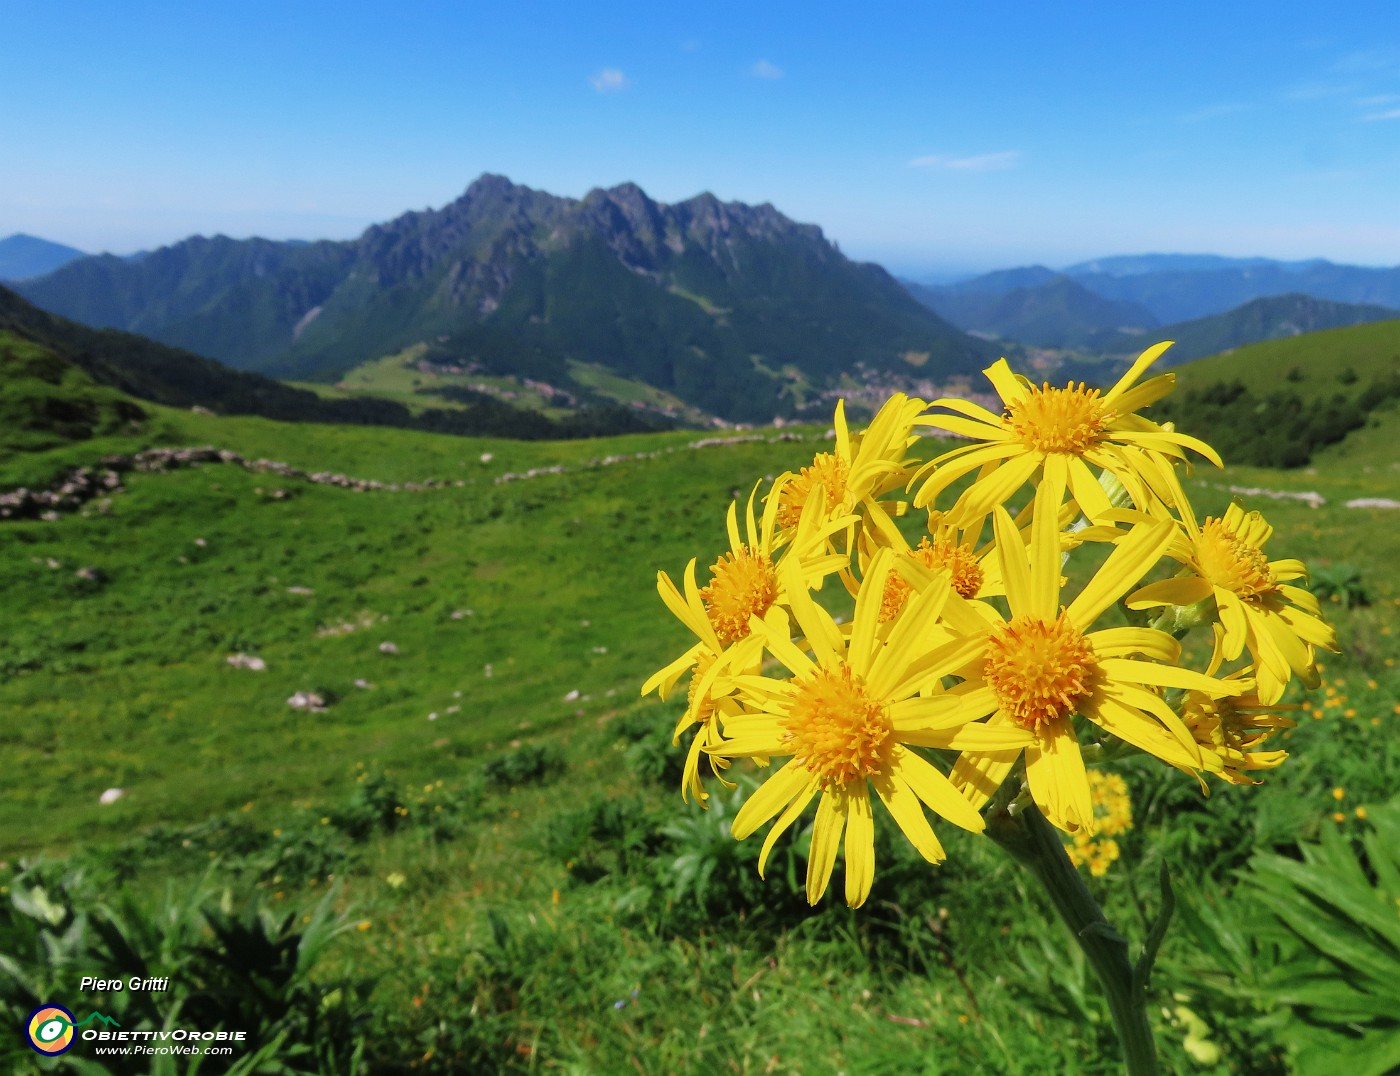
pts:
[930, 137]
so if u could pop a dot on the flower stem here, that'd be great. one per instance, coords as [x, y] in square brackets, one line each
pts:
[1026, 835]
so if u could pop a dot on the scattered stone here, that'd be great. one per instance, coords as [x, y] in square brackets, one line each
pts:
[458, 614]
[303, 591]
[308, 702]
[1373, 502]
[487, 670]
[432, 716]
[200, 542]
[92, 575]
[1311, 498]
[600, 650]
[111, 796]
[363, 685]
[388, 648]
[572, 696]
[487, 457]
[247, 661]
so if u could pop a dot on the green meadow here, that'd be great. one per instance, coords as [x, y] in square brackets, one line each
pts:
[471, 854]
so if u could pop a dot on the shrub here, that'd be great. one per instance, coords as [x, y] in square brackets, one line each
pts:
[526, 765]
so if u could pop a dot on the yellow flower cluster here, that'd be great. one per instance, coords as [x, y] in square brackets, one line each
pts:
[1113, 816]
[965, 661]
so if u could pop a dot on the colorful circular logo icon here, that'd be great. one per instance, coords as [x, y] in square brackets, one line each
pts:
[50, 1029]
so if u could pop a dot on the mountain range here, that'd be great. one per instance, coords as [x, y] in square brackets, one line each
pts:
[1045, 309]
[734, 309]
[24, 256]
[1182, 287]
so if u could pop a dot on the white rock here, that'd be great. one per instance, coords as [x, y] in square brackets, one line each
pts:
[388, 648]
[572, 696]
[111, 796]
[487, 457]
[308, 701]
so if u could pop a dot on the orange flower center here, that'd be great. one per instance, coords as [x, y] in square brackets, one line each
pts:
[965, 574]
[827, 471]
[837, 730]
[1069, 420]
[1228, 561]
[1039, 670]
[742, 584]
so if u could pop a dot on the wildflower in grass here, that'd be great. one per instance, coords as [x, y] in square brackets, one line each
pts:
[1281, 625]
[1232, 731]
[1044, 664]
[1113, 816]
[864, 467]
[744, 584]
[850, 716]
[1057, 434]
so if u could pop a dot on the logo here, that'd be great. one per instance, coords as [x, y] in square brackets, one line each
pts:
[51, 1028]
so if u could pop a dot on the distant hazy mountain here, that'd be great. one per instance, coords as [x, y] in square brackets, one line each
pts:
[1274, 318]
[24, 256]
[1055, 313]
[1138, 264]
[735, 309]
[1182, 287]
[998, 282]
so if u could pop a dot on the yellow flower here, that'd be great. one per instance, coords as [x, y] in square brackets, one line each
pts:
[1044, 665]
[1232, 731]
[1281, 625]
[972, 572]
[849, 716]
[863, 468]
[1058, 434]
[744, 584]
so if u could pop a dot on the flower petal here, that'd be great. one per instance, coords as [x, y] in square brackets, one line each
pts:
[769, 798]
[935, 790]
[1058, 783]
[860, 845]
[1132, 557]
[908, 812]
[790, 814]
[826, 839]
[1179, 590]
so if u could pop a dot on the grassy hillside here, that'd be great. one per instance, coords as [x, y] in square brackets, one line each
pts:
[493, 822]
[46, 401]
[1277, 403]
[1344, 360]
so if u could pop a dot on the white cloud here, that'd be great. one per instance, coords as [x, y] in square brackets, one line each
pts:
[1378, 100]
[766, 69]
[984, 162]
[609, 80]
[1388, 114]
